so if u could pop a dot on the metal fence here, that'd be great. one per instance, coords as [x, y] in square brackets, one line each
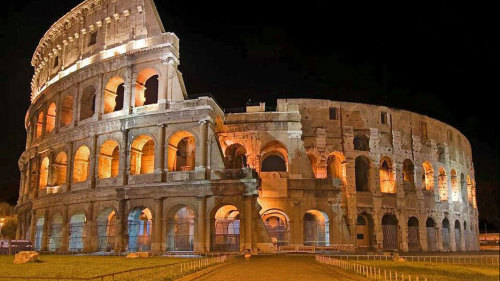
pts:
[476, 259]
[370, 272]
[152, 273]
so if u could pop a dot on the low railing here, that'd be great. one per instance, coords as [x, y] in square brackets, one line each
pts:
[472, 259]
[370, 272]
[315, 249]
[153, 273]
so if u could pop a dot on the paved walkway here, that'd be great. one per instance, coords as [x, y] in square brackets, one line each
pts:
[278, 268]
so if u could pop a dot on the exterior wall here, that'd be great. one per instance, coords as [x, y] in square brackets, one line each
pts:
[300, 132]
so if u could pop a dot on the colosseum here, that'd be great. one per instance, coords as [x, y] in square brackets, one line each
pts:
[120, 158]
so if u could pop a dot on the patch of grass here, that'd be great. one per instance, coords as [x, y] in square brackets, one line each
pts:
[440, 271]
[77, 266]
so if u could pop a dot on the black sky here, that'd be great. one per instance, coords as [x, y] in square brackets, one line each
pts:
[438, 58]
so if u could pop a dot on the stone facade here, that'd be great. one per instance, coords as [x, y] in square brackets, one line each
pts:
[118, 158]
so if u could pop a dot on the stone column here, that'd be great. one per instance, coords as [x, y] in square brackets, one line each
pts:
[57, 119]
[159, 153]
[439, 237]
[69, 166]
[76, 105]
[248, 222]
[65, 230]
[128, 85]
[93, 162]
[33, 226]
[200, 245]
[121, 220]
[204, 143]
[37, 177]
[422, 233]
[403, 232]
[91, 230]
[157, 226]
[162, 87]
[98, 99]
[125, 159]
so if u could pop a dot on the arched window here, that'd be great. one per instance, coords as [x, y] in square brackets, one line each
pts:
[146, 87]
[408, 171]
[273, 163]
[316, 228]
[51, 118]
[445, 234]
[236, 157]
[66, 110]
[81, 164]
[59, 169]
[386, 173]
[55, 232]
[455, 189]
[109, 159]
[106, 229]
[226, 231]
[274, 157]
[181, 229]
[44, 173]
[427, 176]
[181, 152]
[87, 104]
[431, 235]
[39, 125]
[361, 142]
[142, 155]
[443, 185]
[336, 167]
[458, 234]
[113, 95]
[361, 170]
[278, 226]
[390, 232]
[364, 226]
[77, 232]
[413, 235]
[140, 222]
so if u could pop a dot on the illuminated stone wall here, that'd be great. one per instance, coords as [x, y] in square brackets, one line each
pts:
[118, 157]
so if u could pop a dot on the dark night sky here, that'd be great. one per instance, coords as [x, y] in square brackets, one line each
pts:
[436, 58]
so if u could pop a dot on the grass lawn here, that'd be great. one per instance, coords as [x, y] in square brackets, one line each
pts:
[440, 271]
[77, 266]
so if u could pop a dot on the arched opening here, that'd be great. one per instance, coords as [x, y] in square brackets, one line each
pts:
[390, 232]
[361, 170]
[431, 235]
[445, 233]
[458, 236]
[455, 189]
[106, 230]
[236, 156]
[39, 125]
[142, 155]
[408, 175]
[386, 173]
[139, 230]
[274, 157]
[113, 95]
[427, 176]
[361, 142]
[277, 225]
[181, 227]
[336, 167]
[66, 110]
[109, 160]
[51, 118]
[469, 190]
[81, 164]
[413, 235]
[44, 173]
[59, 169]
[443, 185]
[55, 232]
[226, 232]
[77, 232]
[87, 104]
[39, 233]
[364, 226]
[181, 152]
[316, 228]
[146, 87]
